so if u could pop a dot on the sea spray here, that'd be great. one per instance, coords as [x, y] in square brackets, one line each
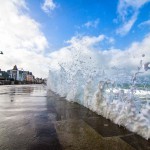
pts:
[115, 92]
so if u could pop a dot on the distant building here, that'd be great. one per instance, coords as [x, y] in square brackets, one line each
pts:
[13, 73]
[3, 75]
[20, 74]
[39, 80]
[16, 74]
[25, 75]
[29, 77]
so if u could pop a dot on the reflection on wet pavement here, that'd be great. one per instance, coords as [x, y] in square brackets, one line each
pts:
[25, 123]
[31, 120]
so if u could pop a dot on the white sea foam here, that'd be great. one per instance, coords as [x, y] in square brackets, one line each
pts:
[116, 93]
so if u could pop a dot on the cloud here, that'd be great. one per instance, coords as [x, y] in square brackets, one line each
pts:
[128, 11]
[126, 27]
[84, 48]
[86, 41]
[24, 44]
[21, 39]
[145, 23]
[92, 24]
[110, 40]
[48, 6]
[77, 45]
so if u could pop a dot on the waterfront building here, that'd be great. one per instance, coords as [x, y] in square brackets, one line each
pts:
[16, 74]
[20, 75]
[4, 76]
[29, 77]
[39, 80]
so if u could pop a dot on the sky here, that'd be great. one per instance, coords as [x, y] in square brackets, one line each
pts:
[33, 33]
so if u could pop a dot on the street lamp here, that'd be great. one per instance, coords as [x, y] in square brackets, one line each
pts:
[1, 52]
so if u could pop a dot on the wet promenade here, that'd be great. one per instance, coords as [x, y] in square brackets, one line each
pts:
[31, 120]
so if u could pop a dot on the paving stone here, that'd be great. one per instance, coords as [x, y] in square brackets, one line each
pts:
[77, 135]
[105, 127]
[137, 142]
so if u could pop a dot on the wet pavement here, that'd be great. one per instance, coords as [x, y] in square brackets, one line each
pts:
[31, 120]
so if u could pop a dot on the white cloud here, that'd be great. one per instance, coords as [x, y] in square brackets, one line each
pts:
[86, 41]
[79, 45]
[48, 6]
[145, 23]
[92, 24]
[128, 11]
[130, 58]
[24, 44]
[21, 39]
[84, 48]
[110, 40]
[126, 27]
[126, 6]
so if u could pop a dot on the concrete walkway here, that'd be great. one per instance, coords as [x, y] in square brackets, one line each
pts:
[30, 120]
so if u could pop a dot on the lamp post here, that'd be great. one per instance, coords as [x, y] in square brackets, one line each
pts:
[1, 52]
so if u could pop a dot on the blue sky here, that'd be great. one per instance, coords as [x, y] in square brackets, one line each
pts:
[34, 32]
[69, 17]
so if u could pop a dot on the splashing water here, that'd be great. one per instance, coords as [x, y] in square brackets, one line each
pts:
[115, 92]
